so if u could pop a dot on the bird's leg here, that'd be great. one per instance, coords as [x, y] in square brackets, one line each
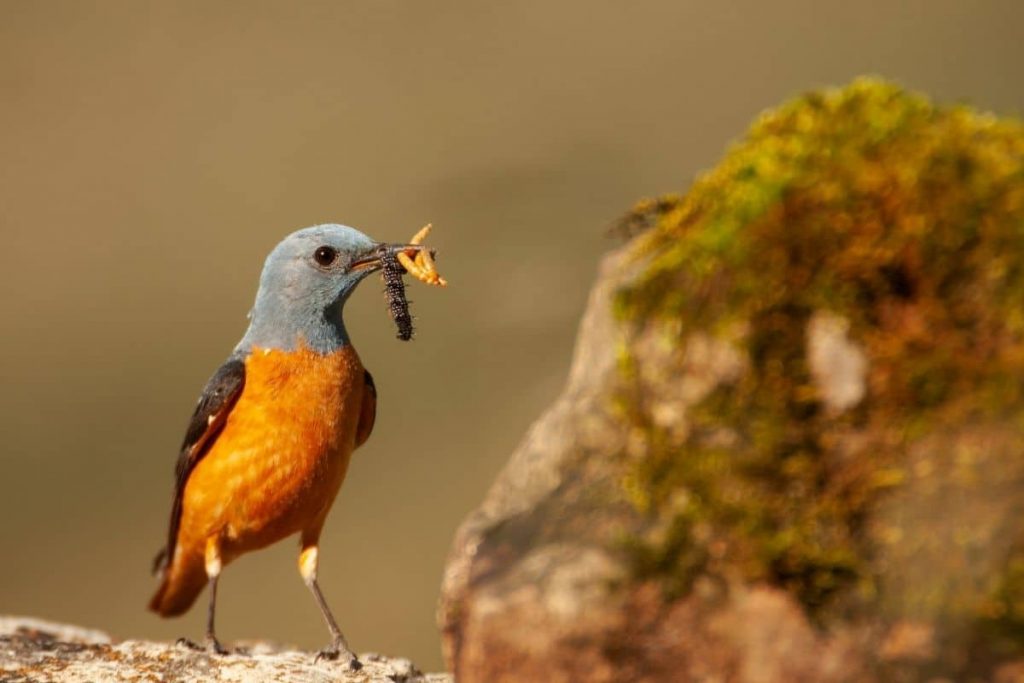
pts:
[308, 564]
[213, 567]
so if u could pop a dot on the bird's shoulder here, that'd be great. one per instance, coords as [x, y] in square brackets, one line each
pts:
[218, 396]
[368, 410]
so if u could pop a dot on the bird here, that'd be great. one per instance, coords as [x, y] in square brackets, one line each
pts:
[269, 442]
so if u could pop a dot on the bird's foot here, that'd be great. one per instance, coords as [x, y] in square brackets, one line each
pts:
[211, 645]
[337, 651]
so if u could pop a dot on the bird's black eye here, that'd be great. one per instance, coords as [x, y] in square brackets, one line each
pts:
[325, 256]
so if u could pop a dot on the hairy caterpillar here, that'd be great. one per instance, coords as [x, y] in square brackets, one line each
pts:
[394, 290]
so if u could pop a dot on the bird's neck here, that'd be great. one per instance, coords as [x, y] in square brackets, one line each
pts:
[287, 325]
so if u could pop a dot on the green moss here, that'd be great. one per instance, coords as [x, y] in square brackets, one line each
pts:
[905, 218]
[1002, 616]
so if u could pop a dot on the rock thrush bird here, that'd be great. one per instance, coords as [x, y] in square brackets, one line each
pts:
[269, 442]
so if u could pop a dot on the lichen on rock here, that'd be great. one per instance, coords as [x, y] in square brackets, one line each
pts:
[35, 650]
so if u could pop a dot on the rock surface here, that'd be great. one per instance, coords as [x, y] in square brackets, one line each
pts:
[32, 650]
[789, 448]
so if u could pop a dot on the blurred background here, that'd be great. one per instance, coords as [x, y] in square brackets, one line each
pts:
[153, 153]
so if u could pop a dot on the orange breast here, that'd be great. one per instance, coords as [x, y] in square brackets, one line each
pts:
[283, 454]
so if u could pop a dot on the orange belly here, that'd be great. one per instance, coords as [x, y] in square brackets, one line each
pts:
[283, 454]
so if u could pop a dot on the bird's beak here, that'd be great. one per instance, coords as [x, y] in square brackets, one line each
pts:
[372, 259]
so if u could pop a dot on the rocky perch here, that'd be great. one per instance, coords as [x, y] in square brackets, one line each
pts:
[34, 650]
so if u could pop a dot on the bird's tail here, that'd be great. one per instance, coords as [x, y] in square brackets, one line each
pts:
[183, 581]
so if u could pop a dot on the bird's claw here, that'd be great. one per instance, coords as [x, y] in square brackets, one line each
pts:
[334, 652]
[211, 645]
[188, 643]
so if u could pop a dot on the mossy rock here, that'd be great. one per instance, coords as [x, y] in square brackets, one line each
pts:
[791, 445]
[899, 226]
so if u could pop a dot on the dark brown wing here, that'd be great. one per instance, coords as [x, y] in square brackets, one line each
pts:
[218, 398]
[368, 412]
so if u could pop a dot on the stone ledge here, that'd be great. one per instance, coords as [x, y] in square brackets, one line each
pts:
[34, 650]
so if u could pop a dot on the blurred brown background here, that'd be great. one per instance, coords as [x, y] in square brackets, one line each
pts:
[152, 154]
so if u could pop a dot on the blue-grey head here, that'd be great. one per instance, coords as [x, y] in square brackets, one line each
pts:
[304, 285]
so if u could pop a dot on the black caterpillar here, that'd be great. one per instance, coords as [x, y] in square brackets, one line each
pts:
[394, 289]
